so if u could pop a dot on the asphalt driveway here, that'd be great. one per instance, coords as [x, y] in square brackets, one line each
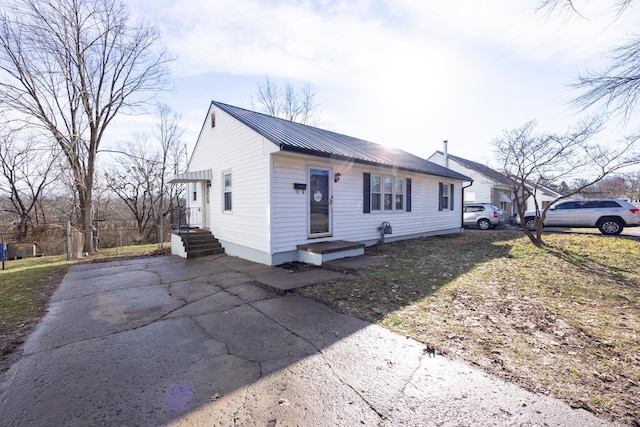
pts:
[169, 341]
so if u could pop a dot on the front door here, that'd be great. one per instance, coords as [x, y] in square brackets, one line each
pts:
[319, 203]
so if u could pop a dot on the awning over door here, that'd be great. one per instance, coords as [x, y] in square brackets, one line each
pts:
[504, 198]
[194, 176]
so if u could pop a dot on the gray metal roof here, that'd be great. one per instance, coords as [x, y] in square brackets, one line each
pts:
[496, 176]
[485, 170]
[296, 137]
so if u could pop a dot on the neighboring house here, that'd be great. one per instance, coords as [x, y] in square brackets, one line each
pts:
[489, 185]
[274, 191]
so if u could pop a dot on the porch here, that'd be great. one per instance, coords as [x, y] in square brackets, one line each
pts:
[321, 252]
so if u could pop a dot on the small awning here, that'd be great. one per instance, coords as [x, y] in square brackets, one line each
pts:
[194, 176]
[504, 198]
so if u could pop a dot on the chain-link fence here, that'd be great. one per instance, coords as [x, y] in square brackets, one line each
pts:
[57, 240]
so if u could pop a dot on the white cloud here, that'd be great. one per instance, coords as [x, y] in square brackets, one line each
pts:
[401, 72]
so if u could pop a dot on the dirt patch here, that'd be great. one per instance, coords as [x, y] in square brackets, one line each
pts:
[296, 266]
[563, 320]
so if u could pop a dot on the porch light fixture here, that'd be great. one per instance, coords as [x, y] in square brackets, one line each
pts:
[337, 177]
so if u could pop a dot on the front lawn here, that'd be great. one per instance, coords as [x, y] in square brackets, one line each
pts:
[563, 320]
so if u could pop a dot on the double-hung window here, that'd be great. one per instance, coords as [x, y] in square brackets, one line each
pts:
[375, 193]
[399, 194]
[227, 191]
[386, 193]
[445, 196]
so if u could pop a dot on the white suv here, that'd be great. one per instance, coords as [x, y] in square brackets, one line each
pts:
[610, 216]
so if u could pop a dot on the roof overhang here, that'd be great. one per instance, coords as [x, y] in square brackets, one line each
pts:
[195, 176]
[316, 153]
[504, 198]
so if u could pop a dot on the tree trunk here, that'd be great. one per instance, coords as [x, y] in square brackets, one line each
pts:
[86, 214]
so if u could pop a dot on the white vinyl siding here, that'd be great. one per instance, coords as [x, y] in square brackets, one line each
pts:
[231, 146]
[349, 222]
[269, 216]
[289, 210]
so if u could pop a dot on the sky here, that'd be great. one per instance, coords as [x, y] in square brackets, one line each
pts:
[403, 73]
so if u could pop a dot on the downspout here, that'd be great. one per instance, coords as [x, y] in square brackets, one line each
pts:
[462, 210]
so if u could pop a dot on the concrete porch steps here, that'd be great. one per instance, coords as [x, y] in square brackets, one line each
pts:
[321, 252]
[200, 243]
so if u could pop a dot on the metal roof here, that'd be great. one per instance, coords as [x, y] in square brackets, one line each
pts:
[496, 176]
[300, 138]
[485, 170]
[204, 175]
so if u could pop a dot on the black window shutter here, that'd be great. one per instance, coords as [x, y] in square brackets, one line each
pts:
[451, 197]
[408, 194]
[440, 191]
[366, 192]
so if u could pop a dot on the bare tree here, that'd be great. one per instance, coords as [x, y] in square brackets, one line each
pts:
[132, 177]
[534, 160]
[616, 89]
[142, 168]
[26, 167]
[296, 105]
[167, 133]
[70, 67]
[568, 7]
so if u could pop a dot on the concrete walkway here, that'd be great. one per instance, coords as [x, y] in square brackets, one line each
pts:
[169, 341]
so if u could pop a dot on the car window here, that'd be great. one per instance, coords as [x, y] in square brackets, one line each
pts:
[567, 205]
[588, 204]
[609, 204]
[473, 208]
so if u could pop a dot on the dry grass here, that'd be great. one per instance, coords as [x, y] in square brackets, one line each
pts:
[562, 320]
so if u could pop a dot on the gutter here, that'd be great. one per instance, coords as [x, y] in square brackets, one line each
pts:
[310, 152]
[462, 210]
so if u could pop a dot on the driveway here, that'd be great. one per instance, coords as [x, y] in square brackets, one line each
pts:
[169, 341]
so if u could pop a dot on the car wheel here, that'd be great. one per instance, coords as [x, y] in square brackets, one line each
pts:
[610, 227]
[484, 224]
[530, 223]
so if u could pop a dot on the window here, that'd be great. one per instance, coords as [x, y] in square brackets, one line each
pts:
[503, 206]
[227, 191]
[567, 205]
[388, 193]
[469, 196]
[399, 195]
[213, 119]
[195, 192]
[375, 193]
[474, 208]
[445, 196]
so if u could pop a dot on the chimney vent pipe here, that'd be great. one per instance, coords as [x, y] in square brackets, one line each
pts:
[446, 153]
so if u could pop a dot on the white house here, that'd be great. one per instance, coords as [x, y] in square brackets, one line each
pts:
[489, 185]
[275, 191]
